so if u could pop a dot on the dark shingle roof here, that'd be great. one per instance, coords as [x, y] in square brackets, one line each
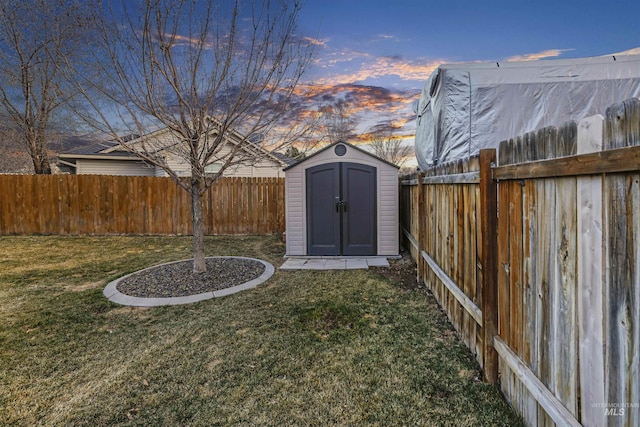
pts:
[90, 148]
[284, 158]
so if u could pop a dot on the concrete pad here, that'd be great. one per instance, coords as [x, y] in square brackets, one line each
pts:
[296, 262]
[377, 262]
[293, 264]
[356, 263]
[335, 264]
[314, 264]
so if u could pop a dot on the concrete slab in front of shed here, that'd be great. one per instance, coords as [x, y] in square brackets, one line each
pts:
[356, 263]
[315, 264]
[378, 262]
[293, 264]
[333, 263]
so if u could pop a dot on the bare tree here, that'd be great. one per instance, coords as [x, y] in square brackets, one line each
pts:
[37, 39]
[391, 149]
[203, 72]
[13, 157]
[337, 122]
[295, 153]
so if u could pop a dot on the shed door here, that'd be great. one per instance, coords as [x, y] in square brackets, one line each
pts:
[341, 209]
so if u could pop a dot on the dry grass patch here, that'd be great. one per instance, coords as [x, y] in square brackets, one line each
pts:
[307, 348]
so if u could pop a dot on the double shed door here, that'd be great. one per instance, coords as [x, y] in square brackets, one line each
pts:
[341, 209]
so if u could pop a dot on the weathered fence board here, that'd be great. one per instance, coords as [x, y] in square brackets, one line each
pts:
[91, 204]
[440, 212]
[590, 278]
[566, 261]
[622, 295]
[561, 324]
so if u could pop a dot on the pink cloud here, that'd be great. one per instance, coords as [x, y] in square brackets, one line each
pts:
[550, 53]
[380, 67]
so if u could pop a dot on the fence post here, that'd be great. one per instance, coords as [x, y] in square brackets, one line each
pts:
[489, 227]
[421, 231]
[401, 214]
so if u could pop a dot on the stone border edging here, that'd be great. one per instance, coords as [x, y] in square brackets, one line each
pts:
[113, 295]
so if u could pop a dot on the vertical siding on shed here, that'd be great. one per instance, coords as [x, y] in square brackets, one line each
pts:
[387, 210]
[294, 209]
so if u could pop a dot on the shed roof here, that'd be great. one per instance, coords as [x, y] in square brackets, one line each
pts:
[333, 145]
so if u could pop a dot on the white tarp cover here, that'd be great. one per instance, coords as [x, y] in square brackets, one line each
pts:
[466, 107]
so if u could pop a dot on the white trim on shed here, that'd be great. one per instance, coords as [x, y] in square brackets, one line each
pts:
[386, 207]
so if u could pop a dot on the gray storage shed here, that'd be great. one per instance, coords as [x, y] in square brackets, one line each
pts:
[342, 201]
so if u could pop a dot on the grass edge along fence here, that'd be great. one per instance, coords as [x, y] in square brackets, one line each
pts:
[106, 204]
[532, 251]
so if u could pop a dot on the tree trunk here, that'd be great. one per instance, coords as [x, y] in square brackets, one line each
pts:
[39, 157]
[199, 265]
[41, 166]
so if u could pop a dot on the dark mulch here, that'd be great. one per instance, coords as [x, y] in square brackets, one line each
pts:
[402, 272]
[178, 279]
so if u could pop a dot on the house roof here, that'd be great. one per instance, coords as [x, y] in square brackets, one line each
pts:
[328, 147]
[92, 146]
[109, 150]
[283, 157]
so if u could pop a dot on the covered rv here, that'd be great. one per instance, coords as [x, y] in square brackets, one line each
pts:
[469, 106]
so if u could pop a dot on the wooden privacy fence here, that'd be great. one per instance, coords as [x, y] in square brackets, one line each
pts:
[96, 204]
[554, 255]
[440, 214]
[442, 218]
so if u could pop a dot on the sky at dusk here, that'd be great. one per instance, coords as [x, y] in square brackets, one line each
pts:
[377, 54]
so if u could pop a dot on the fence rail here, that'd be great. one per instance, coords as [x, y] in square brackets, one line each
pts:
[557, 277]
[92, 204]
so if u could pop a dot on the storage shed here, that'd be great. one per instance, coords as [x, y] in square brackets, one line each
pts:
[342, 201]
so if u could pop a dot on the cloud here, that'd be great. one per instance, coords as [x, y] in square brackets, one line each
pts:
[381, 111]
[316, 42]
[372, 68]
[358, 97]
[633, 51]
[550, 53]
[339, 58]
[379, 90]
[388, 37]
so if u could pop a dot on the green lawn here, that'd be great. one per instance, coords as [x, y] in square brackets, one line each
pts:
[306, 348]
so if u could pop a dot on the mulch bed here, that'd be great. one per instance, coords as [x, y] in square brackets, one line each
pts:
[178, 280]
[402, 272]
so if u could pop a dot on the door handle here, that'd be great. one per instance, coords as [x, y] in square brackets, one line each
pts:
[341, 203]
